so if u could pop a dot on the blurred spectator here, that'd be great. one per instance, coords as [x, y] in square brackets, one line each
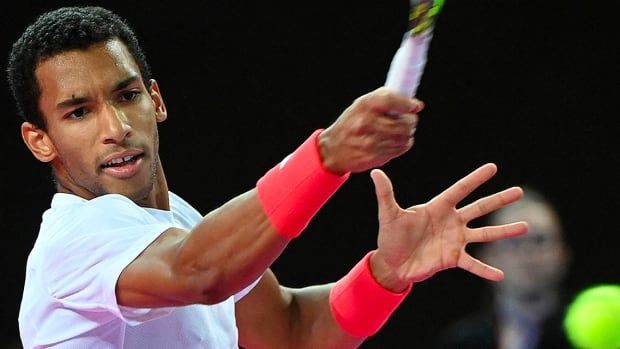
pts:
[525, 310]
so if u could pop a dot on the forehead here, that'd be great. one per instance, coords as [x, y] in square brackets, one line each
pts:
[78, 70]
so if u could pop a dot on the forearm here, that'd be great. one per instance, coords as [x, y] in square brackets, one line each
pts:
[248, 233]
[337, 315]
[357, 305]
[314, 325]
[272, 316]
[231, 247]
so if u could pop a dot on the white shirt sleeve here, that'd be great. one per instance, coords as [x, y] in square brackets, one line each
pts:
[97, 242]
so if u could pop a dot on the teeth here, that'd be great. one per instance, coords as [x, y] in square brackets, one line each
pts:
[118, 161]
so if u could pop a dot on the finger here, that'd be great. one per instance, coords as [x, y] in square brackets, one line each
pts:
[488, 234]
[390, 150]
[385, 101]
[479, 268]
[394, 142]
[466, 185]
[490, 203]
[385, 134]
[402, 124]
[395, 132]
[388, 208]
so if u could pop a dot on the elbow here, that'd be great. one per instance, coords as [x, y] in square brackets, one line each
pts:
[201, 285]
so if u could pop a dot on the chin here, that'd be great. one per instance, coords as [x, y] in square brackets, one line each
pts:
[140, 195]
[138, 188]
[133, 192]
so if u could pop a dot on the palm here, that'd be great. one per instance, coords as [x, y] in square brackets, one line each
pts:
[419, 241]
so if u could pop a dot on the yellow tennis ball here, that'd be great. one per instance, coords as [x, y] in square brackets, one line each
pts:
[592, 319]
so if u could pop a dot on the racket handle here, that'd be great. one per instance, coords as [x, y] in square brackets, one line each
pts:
[408, 64]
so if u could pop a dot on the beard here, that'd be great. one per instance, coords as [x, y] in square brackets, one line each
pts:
[89, 184]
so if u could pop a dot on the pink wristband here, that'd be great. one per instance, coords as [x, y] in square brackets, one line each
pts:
[360, 305]
[293, 191]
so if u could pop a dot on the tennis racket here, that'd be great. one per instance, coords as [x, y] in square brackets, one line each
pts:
[410, 59]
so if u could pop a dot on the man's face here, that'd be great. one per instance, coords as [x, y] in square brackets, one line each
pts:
[101, 122]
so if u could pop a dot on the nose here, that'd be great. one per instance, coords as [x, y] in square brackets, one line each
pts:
[115, 126]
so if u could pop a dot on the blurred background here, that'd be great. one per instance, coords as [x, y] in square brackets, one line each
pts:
[531, 86]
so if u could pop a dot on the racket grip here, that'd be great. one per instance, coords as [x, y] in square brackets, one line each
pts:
[408, 64]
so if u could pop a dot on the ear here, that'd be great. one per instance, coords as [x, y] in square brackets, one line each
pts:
[39, 142]
[160, 108]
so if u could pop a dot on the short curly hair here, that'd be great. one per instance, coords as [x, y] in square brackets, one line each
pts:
[57, 31]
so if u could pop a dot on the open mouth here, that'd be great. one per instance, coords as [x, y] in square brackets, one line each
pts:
[122, 161]
[123, 167]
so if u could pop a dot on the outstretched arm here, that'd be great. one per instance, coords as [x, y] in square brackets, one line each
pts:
[413, 244]
[234, 244]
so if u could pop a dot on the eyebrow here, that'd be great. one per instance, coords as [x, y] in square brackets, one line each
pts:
[125, 82]
[73, 101]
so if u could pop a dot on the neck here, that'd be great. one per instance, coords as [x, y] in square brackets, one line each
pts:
[160, 191]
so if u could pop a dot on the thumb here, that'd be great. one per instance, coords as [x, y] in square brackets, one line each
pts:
[388, 207]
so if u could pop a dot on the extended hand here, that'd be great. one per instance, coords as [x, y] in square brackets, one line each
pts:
[417, 242]
[376, 128]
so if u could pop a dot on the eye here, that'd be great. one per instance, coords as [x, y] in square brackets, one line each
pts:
[77, 113]
[129, 96]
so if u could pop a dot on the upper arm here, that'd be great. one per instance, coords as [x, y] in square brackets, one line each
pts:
[204, 265]
[150, 280]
